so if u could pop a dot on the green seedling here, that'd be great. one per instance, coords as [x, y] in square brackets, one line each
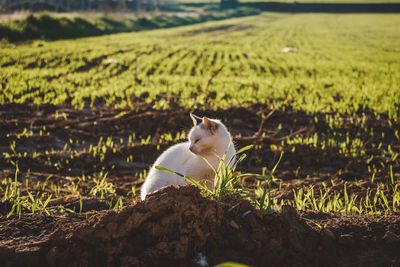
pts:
[102, 187]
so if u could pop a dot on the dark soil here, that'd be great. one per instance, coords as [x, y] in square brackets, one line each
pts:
[173, 226]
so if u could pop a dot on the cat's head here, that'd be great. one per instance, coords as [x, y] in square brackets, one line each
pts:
[207, 135]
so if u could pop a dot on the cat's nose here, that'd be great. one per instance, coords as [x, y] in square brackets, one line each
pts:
[191, 148]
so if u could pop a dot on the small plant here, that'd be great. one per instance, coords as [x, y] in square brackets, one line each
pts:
[264, 203]
[36, 203]
[119, 204]
[12, 194]
[102, 187]
[133, 189]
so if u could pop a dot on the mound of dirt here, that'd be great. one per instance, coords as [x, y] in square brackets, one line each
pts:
[176, 226]
[173, 226]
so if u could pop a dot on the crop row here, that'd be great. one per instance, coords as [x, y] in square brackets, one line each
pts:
[342, 63]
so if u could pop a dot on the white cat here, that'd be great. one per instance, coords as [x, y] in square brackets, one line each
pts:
[208, 138]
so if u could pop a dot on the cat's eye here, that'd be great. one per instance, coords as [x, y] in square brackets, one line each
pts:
[197, 140]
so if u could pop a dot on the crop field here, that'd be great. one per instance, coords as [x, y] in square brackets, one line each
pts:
[315, 95]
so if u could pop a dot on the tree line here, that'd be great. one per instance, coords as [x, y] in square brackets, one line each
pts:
[81, 5]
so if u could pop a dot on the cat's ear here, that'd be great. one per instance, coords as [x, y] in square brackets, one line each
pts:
[210, 125]
[196, 119]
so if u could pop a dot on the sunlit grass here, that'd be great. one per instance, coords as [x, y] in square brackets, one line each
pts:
[375, 201]
[344, 63]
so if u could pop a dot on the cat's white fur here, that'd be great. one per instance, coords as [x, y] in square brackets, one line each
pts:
[208, 138]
